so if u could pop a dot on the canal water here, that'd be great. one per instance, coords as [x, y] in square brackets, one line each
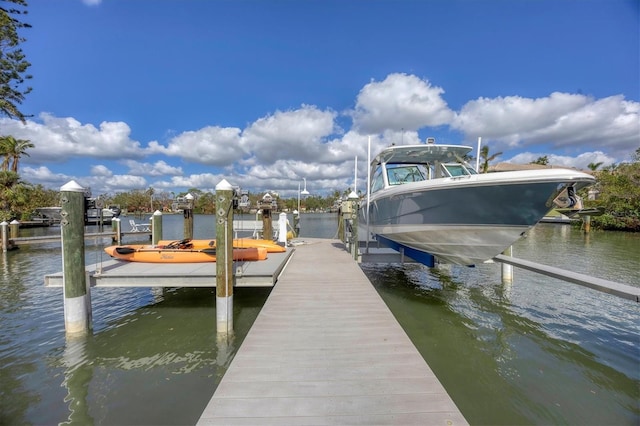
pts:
[538, 351]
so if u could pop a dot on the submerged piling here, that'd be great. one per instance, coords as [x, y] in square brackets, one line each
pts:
[77, 297]
[224, 258]
[507, 270]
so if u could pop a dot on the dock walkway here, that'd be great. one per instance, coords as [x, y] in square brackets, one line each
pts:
[325, 349]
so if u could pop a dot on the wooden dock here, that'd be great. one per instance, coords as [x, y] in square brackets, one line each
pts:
[325, 349]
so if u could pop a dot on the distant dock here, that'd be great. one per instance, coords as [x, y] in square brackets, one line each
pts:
[325, 349]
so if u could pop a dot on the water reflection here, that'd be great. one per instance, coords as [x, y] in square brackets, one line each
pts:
[166, 355]
[515, 355]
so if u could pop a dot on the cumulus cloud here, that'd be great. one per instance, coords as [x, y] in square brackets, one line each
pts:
[101, 170]
[582, 161]
[59, 139]
[213, 145]
[398, 102]
[159, 168]
[559, 121]
[297, 135]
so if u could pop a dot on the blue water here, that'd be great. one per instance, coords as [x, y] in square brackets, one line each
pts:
[539, 351]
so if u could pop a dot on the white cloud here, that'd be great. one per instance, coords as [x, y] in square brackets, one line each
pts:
[159, 168]
[296, 135]
[92, 2]
[582, 161]
[101, 170]
[559, 121]
[59, 139]
[398, 102]
[213, 145]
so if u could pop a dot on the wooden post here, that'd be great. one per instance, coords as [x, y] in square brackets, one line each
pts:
[507, 270]
[266, 205]
[5, 235]
[14, 229]
[296, 223]
[353, 219]
[156, 227]
[116, 227]
[77, 300]
[224, 258]
[188, 217]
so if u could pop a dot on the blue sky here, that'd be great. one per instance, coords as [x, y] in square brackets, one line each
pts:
[179, 94]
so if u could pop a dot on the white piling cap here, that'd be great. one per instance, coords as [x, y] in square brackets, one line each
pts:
[353, 195]
[224, 186]
[72, 186]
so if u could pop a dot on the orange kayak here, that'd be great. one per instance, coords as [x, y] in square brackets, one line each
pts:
[271, 246]
[159, 254]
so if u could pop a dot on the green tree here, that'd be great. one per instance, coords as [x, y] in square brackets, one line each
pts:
[594, 166]
[619, 196]
[486, 159]
[12, 150]
[13, 63]
[544, 160]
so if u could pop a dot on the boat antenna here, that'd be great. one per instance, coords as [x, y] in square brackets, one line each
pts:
[355, 175]
[368, 192]
[478, 154]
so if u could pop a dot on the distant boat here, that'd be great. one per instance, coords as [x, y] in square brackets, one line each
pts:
[48, 214]
[426, 199]
[94, 215]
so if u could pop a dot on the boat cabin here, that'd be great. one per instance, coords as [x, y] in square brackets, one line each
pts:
[397, 165]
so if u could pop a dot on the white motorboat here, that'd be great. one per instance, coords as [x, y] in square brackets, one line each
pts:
[426, 199]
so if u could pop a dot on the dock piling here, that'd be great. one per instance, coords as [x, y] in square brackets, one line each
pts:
[156, 227]
[507, 269]
[116, 227]
[188, 217]
[224, 258]
[5, 239]
[282, 228]
[353, 221]
[77, 298]
[14, 229]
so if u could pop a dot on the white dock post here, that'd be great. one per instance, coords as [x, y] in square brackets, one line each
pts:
[156, 227]
[77, 300]
[282, 228]
[224, 258]
[116, 227]
[5, 231]
[14, 229]
[507, 270]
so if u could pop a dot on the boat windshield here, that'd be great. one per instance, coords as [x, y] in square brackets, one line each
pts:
[403, 173]
[458, 169]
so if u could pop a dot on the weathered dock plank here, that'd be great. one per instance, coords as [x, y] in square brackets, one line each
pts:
[325, 349]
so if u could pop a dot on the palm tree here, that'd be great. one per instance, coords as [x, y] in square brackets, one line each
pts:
[484, 155]
[12, 149]
[594, 166]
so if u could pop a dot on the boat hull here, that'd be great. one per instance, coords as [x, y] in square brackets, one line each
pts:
[467, 221]
[156, 254]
